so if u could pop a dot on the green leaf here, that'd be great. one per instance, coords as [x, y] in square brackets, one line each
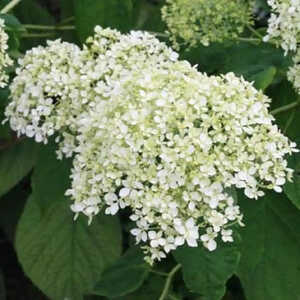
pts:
[5, 131]
[292, 189]
[264, 78]
[63, 257]
[206, 272]
[125, 276]
[150, 290]
[67, 11]
[270, 265]
[147, 16]
[107, 13]
[11, 22]
[16, 161]
[31, 12]
[245, 59]
[14, 29]
[3, 3]
[11, 208]
[282, 94]
[47, 166]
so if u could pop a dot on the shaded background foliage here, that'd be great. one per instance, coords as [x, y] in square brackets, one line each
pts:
[45, 255]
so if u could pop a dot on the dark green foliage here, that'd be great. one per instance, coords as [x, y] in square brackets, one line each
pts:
[125, 276]
[292, 189]
[206, 272]
[270, 265]
[62, 257]
[107, 13]
[16, 160]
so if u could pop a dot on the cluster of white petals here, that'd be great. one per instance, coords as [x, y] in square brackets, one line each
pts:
[151, 134]
[201, 21]
[293, 73]
[46, 83]
[5, 60]
[55, 84]
[284, 23]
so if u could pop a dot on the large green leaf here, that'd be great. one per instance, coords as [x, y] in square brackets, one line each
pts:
[292, 189]
[125, 276]
[206, 272]
[147, 16]
[50, 175]
[63, 257]
[13, 28]
[15, 162]
[11, 208]
[5, 131]
[66, 12]
[3, 3]
[270, 265]
[150, 290]
[107, 13]
[31, 12]
[264, 78]
[244, 59]
[66, 9]
[283, 94]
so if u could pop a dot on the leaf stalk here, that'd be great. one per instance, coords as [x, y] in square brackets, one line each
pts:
[165, 291]
[9, 6]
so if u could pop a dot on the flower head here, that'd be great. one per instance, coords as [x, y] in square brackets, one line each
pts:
[170, 144]
[45, 85]
[293, 73]
[193, 21]
[151, 133]
[5, 60]
[284, 23]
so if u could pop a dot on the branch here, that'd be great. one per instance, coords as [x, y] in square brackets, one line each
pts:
[165, 291]
[9, 6]
[48, 27]
[255, 32]
[285, 108]
[37, 35]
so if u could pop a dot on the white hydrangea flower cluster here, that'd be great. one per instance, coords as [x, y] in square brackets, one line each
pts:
[293, 73]
[284, 24]
[170, 146]
[5, 60]
[194, 21]
[284, 29]
[55, 84]
[46, 84]
[151, 133]
[107, 58]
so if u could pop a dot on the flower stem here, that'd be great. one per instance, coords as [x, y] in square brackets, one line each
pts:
[159, 273]
[285, 108]
[37, 35]
[165, 291]
[255, 32]
[249, 39]
[289, 121]
[9, 6]
[49, 27]
[159, 34]
[67, 20]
